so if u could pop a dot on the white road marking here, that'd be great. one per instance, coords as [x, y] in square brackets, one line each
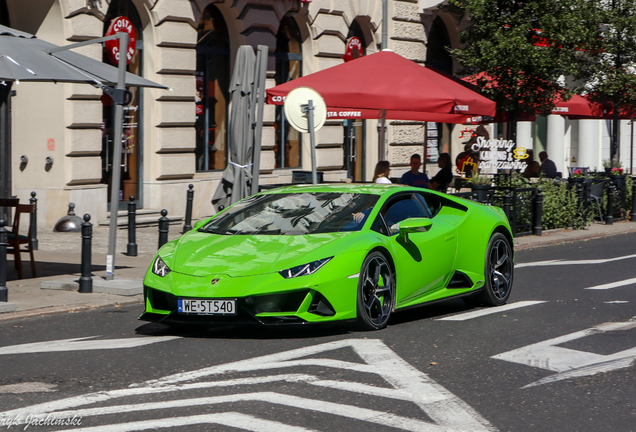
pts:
[80, 344]
[573, 262]
[489, 311]
[613, 284]
[231, 419]
[617, 302]
[339, 409]
[27, 387]
[447, 412]
[569, 363]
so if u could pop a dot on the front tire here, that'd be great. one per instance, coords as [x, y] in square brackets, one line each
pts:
[376, 292]
[499, 271]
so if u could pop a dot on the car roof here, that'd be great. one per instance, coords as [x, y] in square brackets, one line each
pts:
[363, 188]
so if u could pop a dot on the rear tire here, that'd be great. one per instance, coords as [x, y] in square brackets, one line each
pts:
[499, 271]
[376, 292]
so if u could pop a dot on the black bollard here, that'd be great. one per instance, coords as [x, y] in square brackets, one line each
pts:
[609, 219]
[538, 213]
[34, 221]
[508, 205]
[163, 228]
[131, 248]
[86, 280]
[188, 216]
[633, 219]
[580, 192]
[4, 291]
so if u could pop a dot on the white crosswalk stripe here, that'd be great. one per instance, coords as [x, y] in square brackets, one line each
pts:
[489, 311]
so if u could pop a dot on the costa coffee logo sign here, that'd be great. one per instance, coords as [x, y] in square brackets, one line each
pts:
[353, 50]
[120, 24]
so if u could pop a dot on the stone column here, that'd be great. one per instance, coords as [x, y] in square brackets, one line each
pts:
[524, 134]
[588, 141]
[556, 141]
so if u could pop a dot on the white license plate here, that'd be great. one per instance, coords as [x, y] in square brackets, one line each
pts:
[207, 307]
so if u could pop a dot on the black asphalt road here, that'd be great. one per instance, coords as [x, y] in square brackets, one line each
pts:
[329, 387]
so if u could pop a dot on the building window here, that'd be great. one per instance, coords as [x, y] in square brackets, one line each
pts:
[437, 55]
[4, 14]
[212, 81]
[288, 67]
[131, 144]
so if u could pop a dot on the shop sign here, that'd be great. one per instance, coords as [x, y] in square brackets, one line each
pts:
[344, 114]
[500, 154]
[353, 50]
[120, 24]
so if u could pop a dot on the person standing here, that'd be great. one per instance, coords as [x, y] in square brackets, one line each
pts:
[548, 167]
[414, 177]
[445, 175]
[382, 170]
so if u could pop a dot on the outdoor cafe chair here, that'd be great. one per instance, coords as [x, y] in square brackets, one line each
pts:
[596, 193]
[15, 239]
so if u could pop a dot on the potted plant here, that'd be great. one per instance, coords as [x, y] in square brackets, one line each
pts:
[607, 164]
[577, 176]
[480, 184]
[618, 176]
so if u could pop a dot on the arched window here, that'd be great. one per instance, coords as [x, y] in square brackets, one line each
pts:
[131, 144]
[437, 55]
[288, 67]
[213, 72]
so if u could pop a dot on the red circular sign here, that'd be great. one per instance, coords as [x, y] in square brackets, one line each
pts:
[353, 50]
[120, 24]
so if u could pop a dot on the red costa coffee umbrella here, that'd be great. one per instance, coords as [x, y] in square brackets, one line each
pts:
[581, 107]
[387, 85]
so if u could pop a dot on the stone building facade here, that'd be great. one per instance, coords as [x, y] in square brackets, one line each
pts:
[178, 137]
[175, 137]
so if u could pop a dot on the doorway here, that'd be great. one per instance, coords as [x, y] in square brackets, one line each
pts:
[131, 140]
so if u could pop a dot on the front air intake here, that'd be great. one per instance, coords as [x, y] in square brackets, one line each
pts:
[321, 306]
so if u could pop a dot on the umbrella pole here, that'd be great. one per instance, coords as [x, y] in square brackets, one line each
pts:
[116, 177]
[381, 146]
[312, 139]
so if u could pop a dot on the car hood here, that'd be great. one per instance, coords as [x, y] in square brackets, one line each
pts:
[203, 254]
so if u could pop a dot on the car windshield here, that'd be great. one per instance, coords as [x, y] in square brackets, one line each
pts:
[294, 214]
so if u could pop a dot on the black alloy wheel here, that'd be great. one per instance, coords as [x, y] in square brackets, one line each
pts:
[376, 292]
[499, 271]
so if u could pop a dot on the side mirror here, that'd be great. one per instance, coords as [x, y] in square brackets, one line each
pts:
[200, 223]
[413, 225]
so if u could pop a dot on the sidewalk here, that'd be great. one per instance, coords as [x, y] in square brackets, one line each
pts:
[59, 255]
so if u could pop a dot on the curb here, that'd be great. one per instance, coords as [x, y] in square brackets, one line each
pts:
[580, 237]
[53, 310]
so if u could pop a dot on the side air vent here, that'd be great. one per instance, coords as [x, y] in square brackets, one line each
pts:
[460, 280]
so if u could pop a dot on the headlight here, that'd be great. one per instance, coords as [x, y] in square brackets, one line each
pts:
[305, 269]
[160, 268]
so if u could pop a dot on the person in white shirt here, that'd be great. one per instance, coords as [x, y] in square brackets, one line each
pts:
[382, 170]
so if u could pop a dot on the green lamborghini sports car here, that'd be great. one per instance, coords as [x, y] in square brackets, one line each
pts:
[331, 252]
